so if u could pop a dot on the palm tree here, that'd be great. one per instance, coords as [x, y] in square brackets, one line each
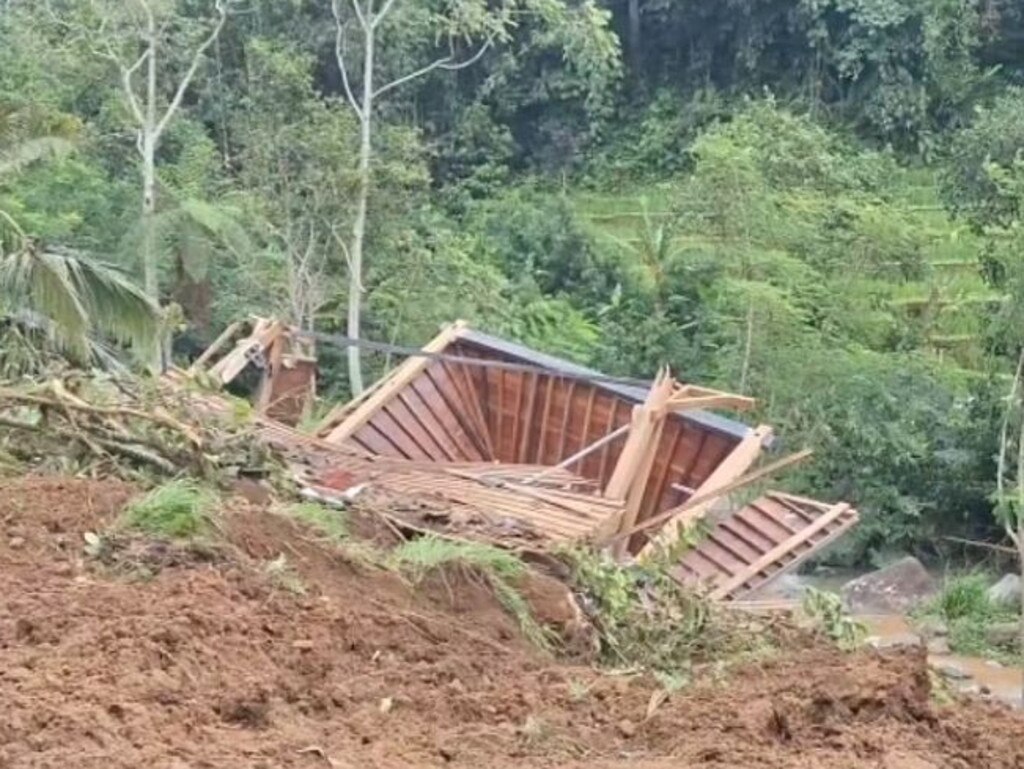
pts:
[53, 294]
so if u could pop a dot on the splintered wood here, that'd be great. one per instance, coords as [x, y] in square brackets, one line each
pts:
[483, 438]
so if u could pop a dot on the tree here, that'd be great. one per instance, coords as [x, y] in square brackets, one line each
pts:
[473, 25]
[1010, 478]
[134, 35]
[59, 294]
[474, 22]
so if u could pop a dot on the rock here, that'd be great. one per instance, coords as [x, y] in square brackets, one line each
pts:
[16, 543]
[1006, 634]
[894, 589]
[953, 672]
[1006, 592]
[938, 645]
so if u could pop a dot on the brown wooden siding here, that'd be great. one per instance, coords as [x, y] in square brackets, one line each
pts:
[453, 412]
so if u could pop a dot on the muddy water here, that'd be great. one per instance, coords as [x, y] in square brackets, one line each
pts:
[1004, 683]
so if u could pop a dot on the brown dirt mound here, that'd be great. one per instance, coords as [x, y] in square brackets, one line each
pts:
[217, 664]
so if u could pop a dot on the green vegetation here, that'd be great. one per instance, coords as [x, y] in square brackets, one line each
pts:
[825, 614]
[816, 203]
[180, 509]
[645, 619]
[418, 558]
[973, 621]
[330, 524]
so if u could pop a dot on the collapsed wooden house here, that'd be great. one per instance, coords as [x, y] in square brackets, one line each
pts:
[479, 437]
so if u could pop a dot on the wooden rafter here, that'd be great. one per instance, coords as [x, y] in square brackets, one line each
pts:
[399, 378]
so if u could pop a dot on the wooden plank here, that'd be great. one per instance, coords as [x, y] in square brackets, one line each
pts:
[734, 466]
[579, 455]
[585, 430]
[399, 378]
[424, 418]
[658, 489]
[613, 413]
[423, 389]
[545, 414]
[778, 551]
[476, 448]
[214, 348]
[270, 374]
[527, 421]
[564, 434]
[842, 525]
[473, 398]
[410, 427]
[396, 436]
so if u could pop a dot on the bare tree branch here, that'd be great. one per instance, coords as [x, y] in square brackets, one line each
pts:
[378, 18]
[339, 53]
[186, 81]
[360, 15]
[444, 63]
[129, 90]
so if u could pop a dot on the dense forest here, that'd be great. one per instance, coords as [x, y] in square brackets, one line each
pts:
[815, 202]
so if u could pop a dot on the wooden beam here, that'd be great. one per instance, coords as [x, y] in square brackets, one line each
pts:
[270, 374]
[399, 378]
[232, 364]
[732, 467]
[700, 499]
[564, 464]
[642, 424]
[635, 497]
[777, 552]
[721, 401]
[214, 348]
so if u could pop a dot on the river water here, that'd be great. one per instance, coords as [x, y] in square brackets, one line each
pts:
[1003, 683]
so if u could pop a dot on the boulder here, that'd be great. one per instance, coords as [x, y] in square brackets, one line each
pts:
[894, 589]
[1006, 592]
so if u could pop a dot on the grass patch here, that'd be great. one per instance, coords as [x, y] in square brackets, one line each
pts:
[330, 524]
[179, 509]
[969, 615]
[420, 557]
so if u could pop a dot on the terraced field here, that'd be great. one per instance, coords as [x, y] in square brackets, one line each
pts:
[940, 306]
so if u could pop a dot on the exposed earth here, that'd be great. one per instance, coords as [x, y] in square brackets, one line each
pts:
[213, 661]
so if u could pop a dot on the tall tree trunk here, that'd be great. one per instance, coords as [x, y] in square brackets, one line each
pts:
[148, 140]
[149, 245]
[355, 275]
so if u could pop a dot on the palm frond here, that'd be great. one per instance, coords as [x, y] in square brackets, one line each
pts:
[80, 298]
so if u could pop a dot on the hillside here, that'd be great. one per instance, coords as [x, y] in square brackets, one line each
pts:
[155, 655]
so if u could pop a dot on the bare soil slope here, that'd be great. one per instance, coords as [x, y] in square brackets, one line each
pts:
[212, 663]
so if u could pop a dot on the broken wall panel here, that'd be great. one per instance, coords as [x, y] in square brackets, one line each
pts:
[756, 543]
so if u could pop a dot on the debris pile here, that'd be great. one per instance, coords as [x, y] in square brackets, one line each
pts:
[99, 425]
